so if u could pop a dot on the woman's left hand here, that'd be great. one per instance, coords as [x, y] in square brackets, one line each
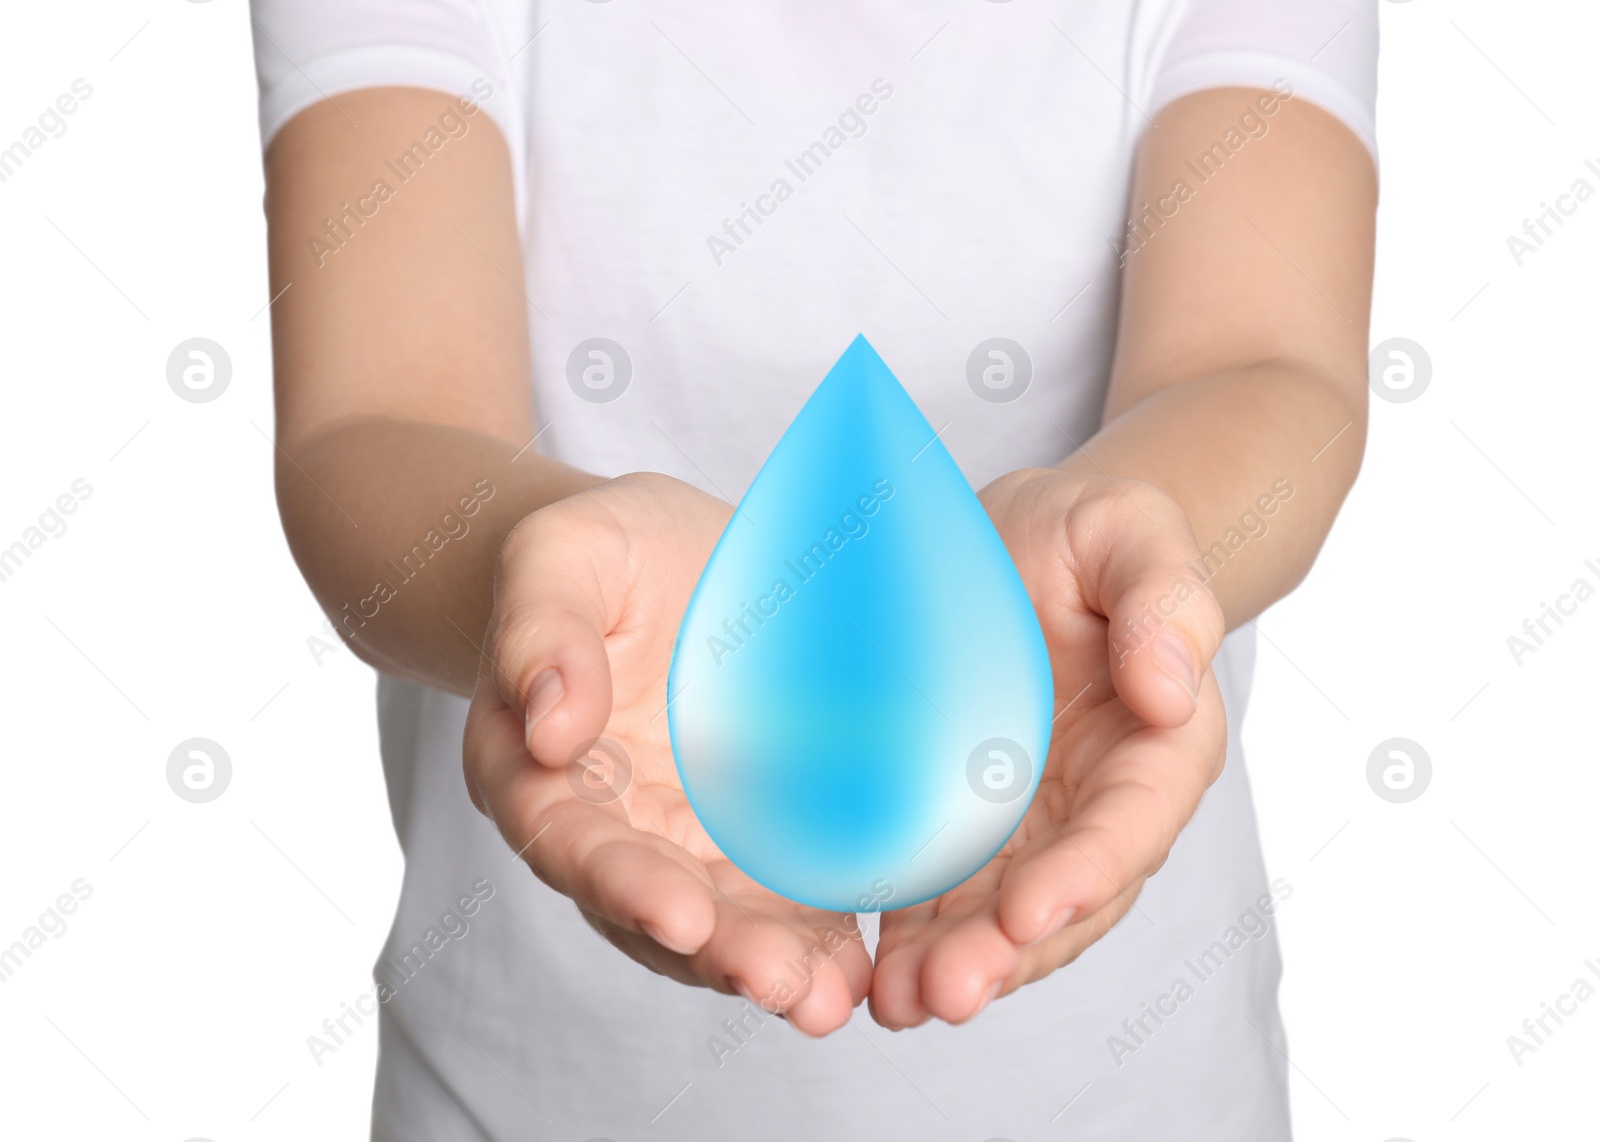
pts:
[1139, 736]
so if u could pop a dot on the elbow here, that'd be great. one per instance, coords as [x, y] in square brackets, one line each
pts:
[316, 531]
[1334, 416]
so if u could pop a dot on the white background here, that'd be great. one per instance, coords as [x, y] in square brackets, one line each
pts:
[219, 936]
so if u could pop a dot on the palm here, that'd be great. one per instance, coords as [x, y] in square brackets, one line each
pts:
[1113, 784]
[641, 852]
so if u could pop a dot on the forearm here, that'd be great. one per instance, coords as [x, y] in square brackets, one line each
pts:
[396, 526]
[1260, 458]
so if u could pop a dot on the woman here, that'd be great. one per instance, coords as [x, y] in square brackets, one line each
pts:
[552, 280]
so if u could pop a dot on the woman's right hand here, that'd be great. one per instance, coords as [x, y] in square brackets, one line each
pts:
[589, 594]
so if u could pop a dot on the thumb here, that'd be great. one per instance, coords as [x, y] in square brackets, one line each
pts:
[1165, 625]
[548, 648]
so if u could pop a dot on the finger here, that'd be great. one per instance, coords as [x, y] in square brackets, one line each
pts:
[492, 750]
[968, 965]
[560, 578]
[729, 961]
[773, 956]
[1165, 625]
[1035, 961]
[896, 999]
[643, 950]
[505, 784]
[1124, 821]
[854, 961]
[827, 1004]
[633, 879]
[906, 939]
[584, 850]
[837, 993]
[951, 969]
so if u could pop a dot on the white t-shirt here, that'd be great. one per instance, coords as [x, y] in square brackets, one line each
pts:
[730, 193]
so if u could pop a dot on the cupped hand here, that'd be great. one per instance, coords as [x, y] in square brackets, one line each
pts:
[589, 595]
[1139, 735]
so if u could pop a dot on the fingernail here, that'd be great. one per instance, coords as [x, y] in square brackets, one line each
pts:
[994, 990]
[1172, 655]
[543, 695]
[1063, 918]
[655, 934]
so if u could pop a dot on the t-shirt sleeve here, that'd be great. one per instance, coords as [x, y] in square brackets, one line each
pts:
[309, 50]
[1327, 51]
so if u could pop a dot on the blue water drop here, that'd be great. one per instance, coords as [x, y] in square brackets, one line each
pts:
[860, 692]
